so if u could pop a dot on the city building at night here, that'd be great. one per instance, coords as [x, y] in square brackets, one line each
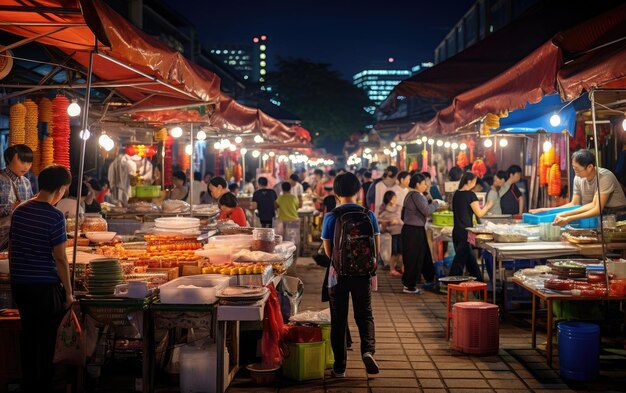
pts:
[378, 82]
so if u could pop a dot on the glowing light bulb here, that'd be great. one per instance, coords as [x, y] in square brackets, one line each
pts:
[265, 157]
[488, 142]
[419, 141]
[546, 146]
[109, 145]
[555, 120]
[238, 139]
[463, 146]
[232, 147]
[188, 149]
[272, 154]
[367, 151]
[176, 132]
[243, 151]
[446, 145]
[85, 134]
[201, 135]
[439, 143]
[503, 142]
[424, 138]
[624, 124]
[454, 146]
[431, 141]
[217, 145]
[399, 148]
[73, 109]
[104, 140]
[256, 154]
[393, 144]
[258, 139]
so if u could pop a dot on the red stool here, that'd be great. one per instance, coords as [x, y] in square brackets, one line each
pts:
[466, 288]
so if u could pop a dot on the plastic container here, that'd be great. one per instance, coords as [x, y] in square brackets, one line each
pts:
[444, 218]
[476, 328]
[198, 369]
[94, 222]
[305, 361]
[198, 289]
[587, 223]
[330, 357]
[237, 242]
[262, 375]
[218, 255]
[579, 350]
[263, 239]
[538, 218]
[549, 232]
[147, 191]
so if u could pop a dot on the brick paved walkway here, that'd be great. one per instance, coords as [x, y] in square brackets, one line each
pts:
[414, 356]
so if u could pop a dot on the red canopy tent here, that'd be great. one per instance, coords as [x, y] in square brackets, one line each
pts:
[601, 54]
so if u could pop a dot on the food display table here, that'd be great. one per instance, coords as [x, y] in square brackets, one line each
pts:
[549, 297]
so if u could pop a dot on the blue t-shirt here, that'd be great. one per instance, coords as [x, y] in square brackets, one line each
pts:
[36, 228]
[328, 227]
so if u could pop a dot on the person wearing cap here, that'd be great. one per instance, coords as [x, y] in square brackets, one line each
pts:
[389, 183]
[15, 188]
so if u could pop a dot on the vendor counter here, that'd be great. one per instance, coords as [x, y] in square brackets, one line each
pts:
[549, 296]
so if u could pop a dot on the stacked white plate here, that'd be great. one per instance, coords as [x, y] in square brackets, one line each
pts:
[184, 225]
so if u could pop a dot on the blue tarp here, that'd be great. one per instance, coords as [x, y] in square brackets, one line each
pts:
[536, 117]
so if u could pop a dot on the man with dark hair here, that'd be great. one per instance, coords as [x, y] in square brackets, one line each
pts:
[341, 287]
[218, 187]
[317, 184]
[389, 183]
[511, 198]
[585, 191]
[40, 276]
[265, 199]
[15, 188]
[287, 204]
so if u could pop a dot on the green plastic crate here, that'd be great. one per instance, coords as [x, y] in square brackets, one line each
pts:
[147, 191]
[330, 357]
[443, 218]
[305, 361]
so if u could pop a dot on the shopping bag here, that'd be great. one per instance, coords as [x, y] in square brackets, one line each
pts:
[70, 344]
[385, 248]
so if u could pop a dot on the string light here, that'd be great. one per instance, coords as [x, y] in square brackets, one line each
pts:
[446, 145]
[488, 142]
[243, 151]
[555, 120]
[547, 145]
[238, 139]
[188, 149]
[439, 143]
[176, 132]
[431, 141]
[463, 146]
[503, 142]
[201, 135]
[256, 154]
[258, 139]
[73, 109]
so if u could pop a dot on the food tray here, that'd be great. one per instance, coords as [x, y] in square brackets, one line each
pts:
[509, 238]
[538, 218]
[580, 239]
[456, 279]
[614, 235]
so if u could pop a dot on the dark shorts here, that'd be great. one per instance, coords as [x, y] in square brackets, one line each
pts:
[396, 245]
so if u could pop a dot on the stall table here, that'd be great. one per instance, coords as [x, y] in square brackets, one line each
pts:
[550, 296]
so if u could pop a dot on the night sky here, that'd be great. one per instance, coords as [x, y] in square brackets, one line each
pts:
[347, 34]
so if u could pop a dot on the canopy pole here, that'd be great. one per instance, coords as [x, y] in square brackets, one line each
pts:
[569, 166]
[81, 163]
[191, 187]
[592, 96]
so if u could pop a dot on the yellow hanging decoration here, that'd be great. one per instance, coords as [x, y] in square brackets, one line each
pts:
[31, 123]
[17, 124]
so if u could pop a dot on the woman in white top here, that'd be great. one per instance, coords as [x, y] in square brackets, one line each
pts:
[493, 194]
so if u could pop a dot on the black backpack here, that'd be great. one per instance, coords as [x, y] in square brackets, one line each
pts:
[354, 247]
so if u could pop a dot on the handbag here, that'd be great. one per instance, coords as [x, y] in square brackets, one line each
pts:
[70, 343]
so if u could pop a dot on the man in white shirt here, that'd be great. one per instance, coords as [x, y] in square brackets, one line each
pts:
[389, 183]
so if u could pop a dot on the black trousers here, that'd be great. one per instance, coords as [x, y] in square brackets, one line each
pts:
[361, 292]
[416, 256]
[41, 312]
[464, 256]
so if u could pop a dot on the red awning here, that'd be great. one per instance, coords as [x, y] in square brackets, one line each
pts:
[139, 67]
[537, 74]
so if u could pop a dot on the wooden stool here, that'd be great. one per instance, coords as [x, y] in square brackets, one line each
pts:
[466, 288]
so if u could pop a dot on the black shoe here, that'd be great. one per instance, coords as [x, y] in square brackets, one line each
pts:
[370, 364]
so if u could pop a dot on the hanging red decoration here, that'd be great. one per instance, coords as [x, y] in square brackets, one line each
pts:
[61, 127]
[479, 168]
[141, 150]
[490, 158]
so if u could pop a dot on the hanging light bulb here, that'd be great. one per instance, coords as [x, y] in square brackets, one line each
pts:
[85, 134]
[73, 109]
[399, 148]
[201, 135]
[503, 142]
[446, 144]
[265, 157]
[624, 123]
[256, 154]
[546, 146]
[488, 142]
[439, 143]
[232, 147]
[258, 139]
[555, 120]
[419, 141]
[454, 146]
[238, 139]
[463, 146]
[217, 145]
[188, 149]
[393, 144]
[176, 132]
[104, 139]
[272, 154]
[431, 141]
[367, 150]
[387, 152]
[243, 151]
[109, 145]
[424, 138]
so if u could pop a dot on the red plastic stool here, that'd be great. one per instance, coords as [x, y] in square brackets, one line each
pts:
[476, 328]
[466, 288]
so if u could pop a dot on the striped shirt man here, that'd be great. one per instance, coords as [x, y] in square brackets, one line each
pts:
[36, 228]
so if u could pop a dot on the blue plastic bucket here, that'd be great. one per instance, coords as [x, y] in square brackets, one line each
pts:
[579, 350]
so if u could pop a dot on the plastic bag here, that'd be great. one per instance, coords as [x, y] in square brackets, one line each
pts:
[289, 291]
[273, 329]
[70, 343]
[385, 248]
[302, 334]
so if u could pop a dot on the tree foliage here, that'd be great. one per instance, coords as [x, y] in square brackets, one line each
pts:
[330, 107]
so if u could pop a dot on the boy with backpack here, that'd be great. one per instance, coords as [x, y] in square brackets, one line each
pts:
[351, 240]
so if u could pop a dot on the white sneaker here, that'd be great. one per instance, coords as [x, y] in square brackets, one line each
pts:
[337, 375]
[415, 290]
